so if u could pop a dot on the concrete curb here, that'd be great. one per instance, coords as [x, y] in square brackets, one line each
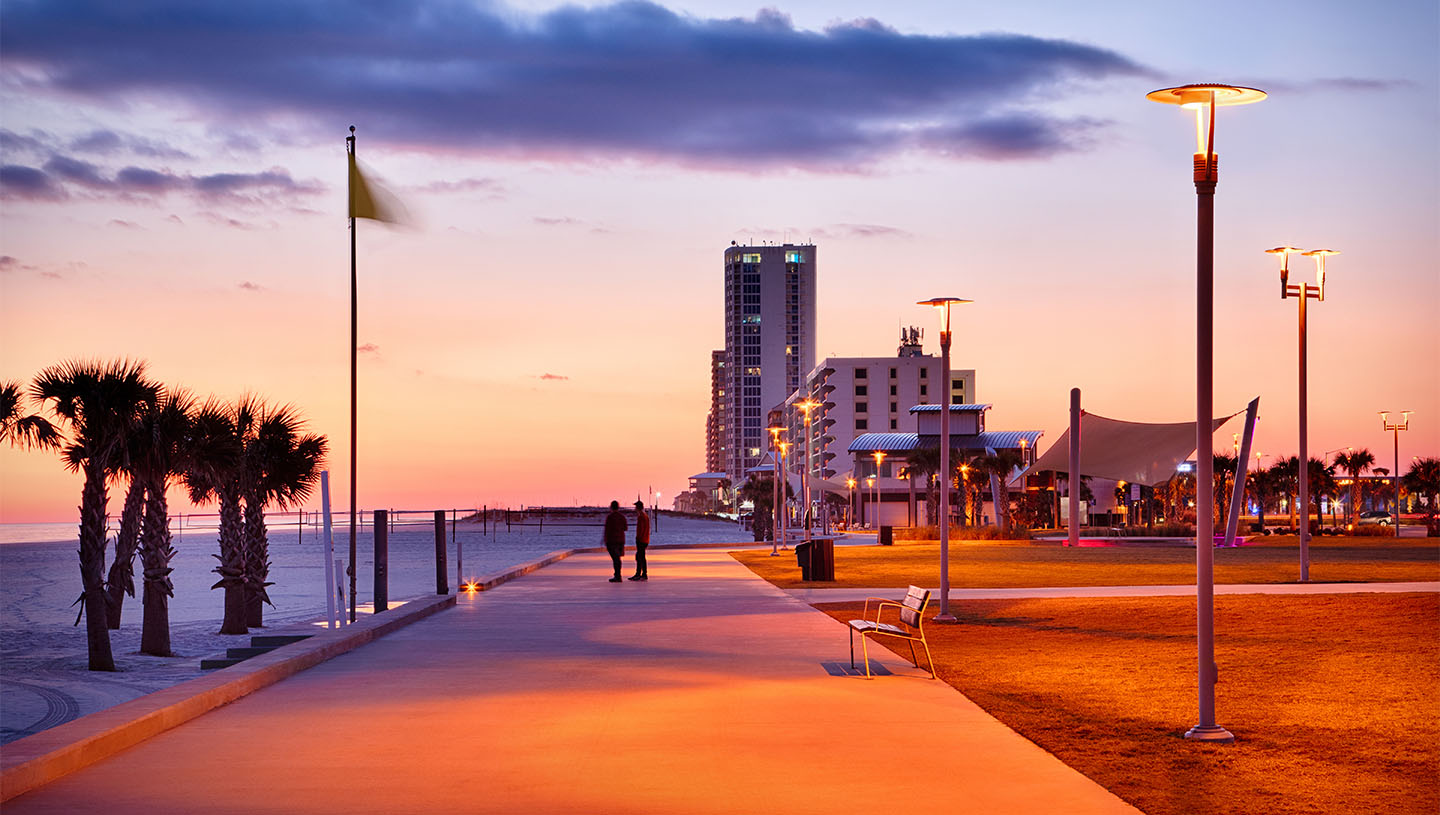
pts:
[39, 759]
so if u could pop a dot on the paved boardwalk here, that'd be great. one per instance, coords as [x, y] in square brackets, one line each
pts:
[704, 690]
[847, 595]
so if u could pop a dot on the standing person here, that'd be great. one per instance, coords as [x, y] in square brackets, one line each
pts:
[615, 537]
[642, 540]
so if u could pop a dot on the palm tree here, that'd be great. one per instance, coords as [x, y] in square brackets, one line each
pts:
[1264, 485]
[760, 492]
[1424, 478]
[1321, 483]
[213, 472]
[1355, 463]
[999, 466]
[162, 458]
[281, 465]
[1287, 480]
[101, 403]
[924, 463]
[121, 580]
[31, 431]
[1224, 469]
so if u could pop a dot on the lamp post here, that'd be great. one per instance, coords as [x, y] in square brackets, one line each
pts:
[806, 405]
[784, 490]
[1204, 99]
[850, 483]
[870, 485]
[775, 490]
[943, 305]
[879, 456]
[1304, 292]
[1396, 427]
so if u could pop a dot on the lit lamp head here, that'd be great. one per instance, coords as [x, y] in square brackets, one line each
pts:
[850, 482]
[1403, 424]
[1284, 252]
[942, 304]
[775, 433]
[1320, 255]
[807, 405]
[1203, 98]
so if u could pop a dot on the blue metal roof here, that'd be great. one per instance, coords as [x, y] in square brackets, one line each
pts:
[905, 442]
[953, 408]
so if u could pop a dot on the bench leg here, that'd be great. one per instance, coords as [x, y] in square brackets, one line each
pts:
[913, 660]
[865, 650]
[852, 646]
[928, 658]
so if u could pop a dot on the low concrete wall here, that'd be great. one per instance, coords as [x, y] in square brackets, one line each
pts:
[39, 759]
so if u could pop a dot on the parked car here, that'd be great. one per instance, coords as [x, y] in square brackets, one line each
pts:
[1377, 516]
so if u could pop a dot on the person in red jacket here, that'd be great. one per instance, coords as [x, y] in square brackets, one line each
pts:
[642, 540]
[615, 537]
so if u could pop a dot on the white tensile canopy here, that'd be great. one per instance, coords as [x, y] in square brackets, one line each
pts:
[1134, 452]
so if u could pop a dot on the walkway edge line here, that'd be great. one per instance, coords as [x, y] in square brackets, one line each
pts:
[51, 754]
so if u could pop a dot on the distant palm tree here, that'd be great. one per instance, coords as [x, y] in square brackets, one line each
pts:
[101, 403]
[32, 431]
[162, 458]
[1424, 479]
[1287, 480]
[999, 466]
[924, 463]
[1224, 468]
[213, 472]
[1321, 483]
[760, 492]
[280, 466]
[1264, 486]
[1355, 463]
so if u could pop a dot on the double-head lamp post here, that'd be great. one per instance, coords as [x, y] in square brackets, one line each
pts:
[1396, 427]
[943, 305]
[1204, 99]
[775, 489]
[806, 405]
[1304, 292]
[879, 456]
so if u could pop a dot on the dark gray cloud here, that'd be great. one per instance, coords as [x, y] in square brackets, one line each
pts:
[559, 378]
[368, 348]
[50, 182]
[628, 79]
[248, 286]
[560, 221]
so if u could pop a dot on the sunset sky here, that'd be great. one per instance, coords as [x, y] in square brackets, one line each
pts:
[174, 191]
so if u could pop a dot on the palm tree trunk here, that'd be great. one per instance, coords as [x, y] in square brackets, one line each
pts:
[92, 568]
[232, 564]
[257, 563]
[155, 553]
[122, 570]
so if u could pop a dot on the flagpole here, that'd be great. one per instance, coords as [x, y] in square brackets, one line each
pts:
[354, 341]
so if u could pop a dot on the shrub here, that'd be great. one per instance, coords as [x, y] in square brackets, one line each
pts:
[959, 533]
[1373, 531]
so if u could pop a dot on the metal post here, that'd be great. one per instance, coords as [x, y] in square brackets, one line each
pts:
[1206, 172]
[381, 591]
[1075, 430]
[945, 616]
[1304, 447]
[1395, 522]
[442, 585]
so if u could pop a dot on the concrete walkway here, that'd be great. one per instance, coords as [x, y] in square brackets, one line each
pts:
[848, 595]
[705, 690]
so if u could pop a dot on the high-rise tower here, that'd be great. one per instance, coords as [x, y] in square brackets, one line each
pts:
[769, 341]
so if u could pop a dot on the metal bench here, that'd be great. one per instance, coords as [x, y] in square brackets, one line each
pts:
[911, 626]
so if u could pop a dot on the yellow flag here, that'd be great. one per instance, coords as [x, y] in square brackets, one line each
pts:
[370, 200]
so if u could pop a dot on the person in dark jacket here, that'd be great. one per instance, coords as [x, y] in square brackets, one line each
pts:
[615, 537]
[642, 540]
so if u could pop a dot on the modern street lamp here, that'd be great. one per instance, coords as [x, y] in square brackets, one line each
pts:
[784, 493]
[806, 405]
[1204, 99]
[879, 456]
[870, 485]
[943, 305]
[1396, 427]
[775, 489]
[1304, 292]
[850, 483]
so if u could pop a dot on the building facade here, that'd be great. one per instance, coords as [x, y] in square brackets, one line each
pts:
[860, 395]
[715, 423]
[769, 342]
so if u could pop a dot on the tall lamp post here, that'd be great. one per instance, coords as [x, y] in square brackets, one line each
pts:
[1304, 292]
[775, 490]
[1204, 99]
[850, 520]
[870, 485]
[879, 456]
[806, 405]
[943, 305]
[1403, 424]
[784, 491]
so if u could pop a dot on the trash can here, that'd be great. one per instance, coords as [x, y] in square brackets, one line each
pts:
[887, 536]
[816, 559]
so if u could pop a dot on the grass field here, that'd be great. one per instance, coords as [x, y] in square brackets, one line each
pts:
[1011, 564]
[1334, 699]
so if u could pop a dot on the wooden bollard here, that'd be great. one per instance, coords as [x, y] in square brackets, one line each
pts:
[442, 580]
[382, 561]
